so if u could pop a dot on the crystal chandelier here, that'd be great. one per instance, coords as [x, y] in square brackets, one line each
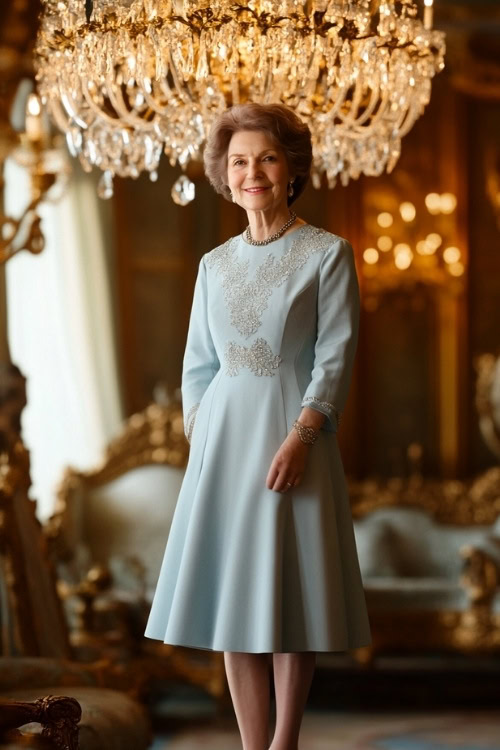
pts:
[127, 80]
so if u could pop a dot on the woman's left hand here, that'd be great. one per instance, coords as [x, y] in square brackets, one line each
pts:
[288, 464]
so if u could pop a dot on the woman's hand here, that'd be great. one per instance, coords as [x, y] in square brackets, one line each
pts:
[288, 464]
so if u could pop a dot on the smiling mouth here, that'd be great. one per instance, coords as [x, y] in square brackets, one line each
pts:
[256, 190]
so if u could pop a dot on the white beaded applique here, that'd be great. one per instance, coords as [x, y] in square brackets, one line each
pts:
[189, 423]
[330, 408]
[247, 299]
[259, 358]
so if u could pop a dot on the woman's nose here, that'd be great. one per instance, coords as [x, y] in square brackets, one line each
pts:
[254, 169]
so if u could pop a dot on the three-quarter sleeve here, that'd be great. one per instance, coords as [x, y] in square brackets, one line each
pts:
[200, 362]
[337, 334]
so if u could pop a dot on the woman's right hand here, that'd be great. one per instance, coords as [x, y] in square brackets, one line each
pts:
[288, 464]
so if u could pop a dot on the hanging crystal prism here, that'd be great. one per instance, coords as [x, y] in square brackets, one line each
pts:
[105, 186]
[183, 191]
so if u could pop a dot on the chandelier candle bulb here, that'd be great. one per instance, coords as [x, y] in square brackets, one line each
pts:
[33, 122]
[428, 14]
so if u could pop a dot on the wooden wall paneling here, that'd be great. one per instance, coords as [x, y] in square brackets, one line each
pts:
[341, 208]
[454, 351]
[126, 329]
[232, 219]
[156, 266]
[430, 161]
[484, 261]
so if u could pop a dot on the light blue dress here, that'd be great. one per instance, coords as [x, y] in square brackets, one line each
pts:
[272, 328]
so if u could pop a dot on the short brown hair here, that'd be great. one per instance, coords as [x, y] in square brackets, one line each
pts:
[285, 127]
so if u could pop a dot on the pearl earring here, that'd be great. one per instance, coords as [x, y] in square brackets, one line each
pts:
[290, 189]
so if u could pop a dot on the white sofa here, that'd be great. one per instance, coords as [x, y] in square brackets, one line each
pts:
[410, 561]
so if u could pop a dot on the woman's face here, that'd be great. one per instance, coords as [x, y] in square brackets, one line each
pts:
[257, 171]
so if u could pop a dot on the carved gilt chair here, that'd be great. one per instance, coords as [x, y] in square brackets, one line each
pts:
[47, 699]
[107, 535]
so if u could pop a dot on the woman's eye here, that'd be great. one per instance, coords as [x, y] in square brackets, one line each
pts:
[237, 162]
[272, 158]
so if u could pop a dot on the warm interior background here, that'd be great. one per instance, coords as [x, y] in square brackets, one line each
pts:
[414, 377]
[97, 323]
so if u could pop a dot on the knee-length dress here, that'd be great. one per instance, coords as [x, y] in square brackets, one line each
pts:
[246, 568]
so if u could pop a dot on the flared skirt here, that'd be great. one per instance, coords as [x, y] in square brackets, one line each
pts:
[247, 568]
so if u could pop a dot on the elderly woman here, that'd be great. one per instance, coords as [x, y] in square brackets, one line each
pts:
[261, 561]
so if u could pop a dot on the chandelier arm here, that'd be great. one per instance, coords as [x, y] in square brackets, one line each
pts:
[95, 107]
[408, 119]
[115, 122]
[379, 115]
[68, 107]
[57, 112]
[409, 116]
[184, 92]
[118, 102]
[352, 127]
[167, 91]
[351, 116]
[150, 99]
[338, 102]
[374, 98]
[162, 82]
[403, 117]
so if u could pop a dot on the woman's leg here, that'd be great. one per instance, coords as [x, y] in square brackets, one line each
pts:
[248, 679]
[293, 675]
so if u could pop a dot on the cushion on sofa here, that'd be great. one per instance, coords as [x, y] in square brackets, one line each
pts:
[414, 544]
[375, 548]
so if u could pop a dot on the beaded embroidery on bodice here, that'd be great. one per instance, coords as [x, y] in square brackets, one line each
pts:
[246, 299]
[259, 358]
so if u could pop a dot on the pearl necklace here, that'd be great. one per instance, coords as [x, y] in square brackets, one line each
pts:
[272, 237]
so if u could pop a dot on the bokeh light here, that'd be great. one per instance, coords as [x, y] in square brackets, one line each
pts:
[407, 211]
[384, 243]
[433, 203]
[385, 219]
[448, 203]
[451, 255]
[370, 255]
